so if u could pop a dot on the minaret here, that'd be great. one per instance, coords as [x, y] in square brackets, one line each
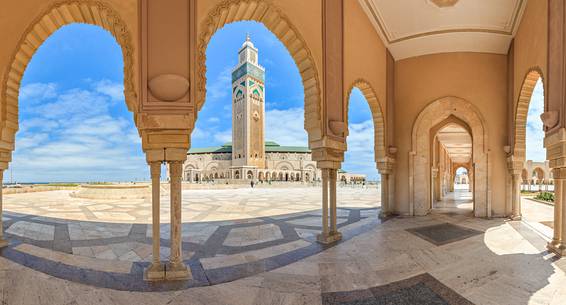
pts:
[248, 108]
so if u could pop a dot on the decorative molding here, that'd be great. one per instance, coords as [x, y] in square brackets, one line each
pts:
[390, 40]
[377, 115]
[267, 13]
[522, 109]
[50, 20]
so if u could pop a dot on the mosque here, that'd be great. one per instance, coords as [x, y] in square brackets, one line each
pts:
[249, 156]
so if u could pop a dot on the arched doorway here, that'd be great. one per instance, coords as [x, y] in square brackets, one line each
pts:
[447, 114]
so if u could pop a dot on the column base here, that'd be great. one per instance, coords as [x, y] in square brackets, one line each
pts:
[155, 272]
[332, 237]
[177, 272]
[515, 217]
[557, 248]
[3, 243]
[385, 216]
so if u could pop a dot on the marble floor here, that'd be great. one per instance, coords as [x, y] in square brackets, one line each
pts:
[399, 261]
[227, 233]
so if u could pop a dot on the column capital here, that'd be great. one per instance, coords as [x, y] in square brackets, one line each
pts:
[515, 164]
[385, 165]
[327, 157]
[555, 145]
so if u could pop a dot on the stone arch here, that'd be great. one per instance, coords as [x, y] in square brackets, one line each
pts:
[376, 113]
[521, 112]
[419, 162]
[268, 14]
[284, 165]
[50, 20]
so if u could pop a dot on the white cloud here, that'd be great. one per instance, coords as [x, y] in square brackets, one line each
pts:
[535, 133]
[359, 157]
[114, 90]
[213, 120]
[219, 87]
[37, 92]
[286, 127]
[198, 133]
[223, 136]
[76, 135]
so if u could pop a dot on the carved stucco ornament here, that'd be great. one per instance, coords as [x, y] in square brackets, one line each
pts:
[169, 87]
[337, 127]
[549, 118]
[444, 3]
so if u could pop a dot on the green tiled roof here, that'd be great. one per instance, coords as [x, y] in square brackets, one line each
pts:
[270, 146]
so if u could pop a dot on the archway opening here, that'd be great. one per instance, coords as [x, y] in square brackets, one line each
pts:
[451, 157]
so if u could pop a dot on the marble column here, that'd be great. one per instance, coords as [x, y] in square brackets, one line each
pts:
[3, 242]
[385, 210]
[156, 271]
[323, 236]
[516, 196]
[558, 244]
[333, 211]
[176, 269]
[329, 232]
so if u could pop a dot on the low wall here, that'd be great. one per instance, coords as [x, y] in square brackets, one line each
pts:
[35, 188]
[113, 191]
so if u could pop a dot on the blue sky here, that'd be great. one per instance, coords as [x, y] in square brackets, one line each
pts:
[535, 133]
[74, 124]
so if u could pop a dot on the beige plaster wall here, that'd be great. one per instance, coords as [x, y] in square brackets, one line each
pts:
[530, 44]
[364, 54]
[476, 77]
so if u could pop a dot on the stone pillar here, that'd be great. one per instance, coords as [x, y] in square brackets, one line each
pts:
[333, 211]
[156, 271]
[385, 169]
[516, 195]
[558, 243]
[330, 232]
[3, 242]
[324, 234]
[176, 269]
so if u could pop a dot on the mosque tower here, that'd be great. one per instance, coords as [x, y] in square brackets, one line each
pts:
[248, 109]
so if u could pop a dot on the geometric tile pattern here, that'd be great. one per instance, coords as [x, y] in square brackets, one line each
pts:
[420, 289]
[444, 233]
[217, 251]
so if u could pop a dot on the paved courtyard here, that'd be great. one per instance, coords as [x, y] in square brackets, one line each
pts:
[227, 233]
[447, 257]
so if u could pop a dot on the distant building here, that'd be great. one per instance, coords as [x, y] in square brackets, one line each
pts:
[249, 156]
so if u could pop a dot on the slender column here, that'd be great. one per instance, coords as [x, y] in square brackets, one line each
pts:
[558, 243]
[3, 242]
[516, 199]
[156, 270]
[385, 211]
[176, 269]
[324, 234]
[332, 178]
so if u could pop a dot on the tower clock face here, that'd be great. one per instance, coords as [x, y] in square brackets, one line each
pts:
[256, 115]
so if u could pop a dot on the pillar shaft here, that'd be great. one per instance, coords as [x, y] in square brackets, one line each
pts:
[324, 202]
[385, 210]
[156, 270]
[155, 168]
[176, 269]
[332, 178]
[3, 242]
[516, 199]
[175, 196]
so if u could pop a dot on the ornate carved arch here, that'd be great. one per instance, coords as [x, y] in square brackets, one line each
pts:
[267, 13]
[376, 112]
[522, 110]
[50, 20]
[419, 159]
